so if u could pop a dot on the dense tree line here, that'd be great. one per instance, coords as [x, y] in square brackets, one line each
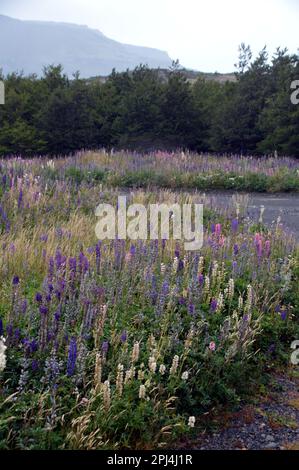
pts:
[141, 110]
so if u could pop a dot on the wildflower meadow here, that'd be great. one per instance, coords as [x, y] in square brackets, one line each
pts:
[127, 344]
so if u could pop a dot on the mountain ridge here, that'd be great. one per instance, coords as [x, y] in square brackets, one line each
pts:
[30, 45]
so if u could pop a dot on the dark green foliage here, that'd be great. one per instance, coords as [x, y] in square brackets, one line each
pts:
[143, 111]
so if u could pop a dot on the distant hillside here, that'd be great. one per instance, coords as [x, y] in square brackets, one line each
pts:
[30, 45]
[216, 76]
[191, 76]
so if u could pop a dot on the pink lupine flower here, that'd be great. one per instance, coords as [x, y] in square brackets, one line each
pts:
[212, 346]
[221, 240]
[218, 229]
[258, 240]
[268, 248]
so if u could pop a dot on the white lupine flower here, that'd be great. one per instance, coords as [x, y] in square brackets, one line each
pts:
[163, 268]
[130, 374]
[207, 284]
[231, 288]
[175, 265]
[51, 164]
[261, 214]
[249, 298]
[103, 309]
[191, 422]
[200, 264]
[120, 379]
[185, 375]
[2, 354]
[142, 392]
[220, 302]
[98, 370]
[174, 367]
[152, 364]
[106, 395]
[215, 270]
[135, 352]
[162, 369]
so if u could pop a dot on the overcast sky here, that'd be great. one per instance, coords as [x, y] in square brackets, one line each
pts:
[202, 34]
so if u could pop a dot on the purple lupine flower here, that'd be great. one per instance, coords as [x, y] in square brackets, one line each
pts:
[61, 285]
[181, 265]
[98, 256]
[214, 305]
[24, 306]
[33, 346]
[20, 198]
[59, 260]
[235, 225]
[236, 249]
[271, 348]
[191, 309]
[132, 250]
[17, 334]
[51, 267]
[72, 356]
[123, 336]
[57, 315]
[283, 315]
[201, 280]
[9, 329]
[38, 297]
[73, 264]
[83, 263]
[34, 365]
[15, 281]
[153, 291]
[43, 310]
[165, 288]
[105, 347]
[213, 228]
[1, 327]
[59, 232]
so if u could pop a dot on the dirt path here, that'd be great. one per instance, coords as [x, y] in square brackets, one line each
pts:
[270, 423]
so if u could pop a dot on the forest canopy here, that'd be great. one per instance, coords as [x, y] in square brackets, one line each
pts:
[140, 110]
